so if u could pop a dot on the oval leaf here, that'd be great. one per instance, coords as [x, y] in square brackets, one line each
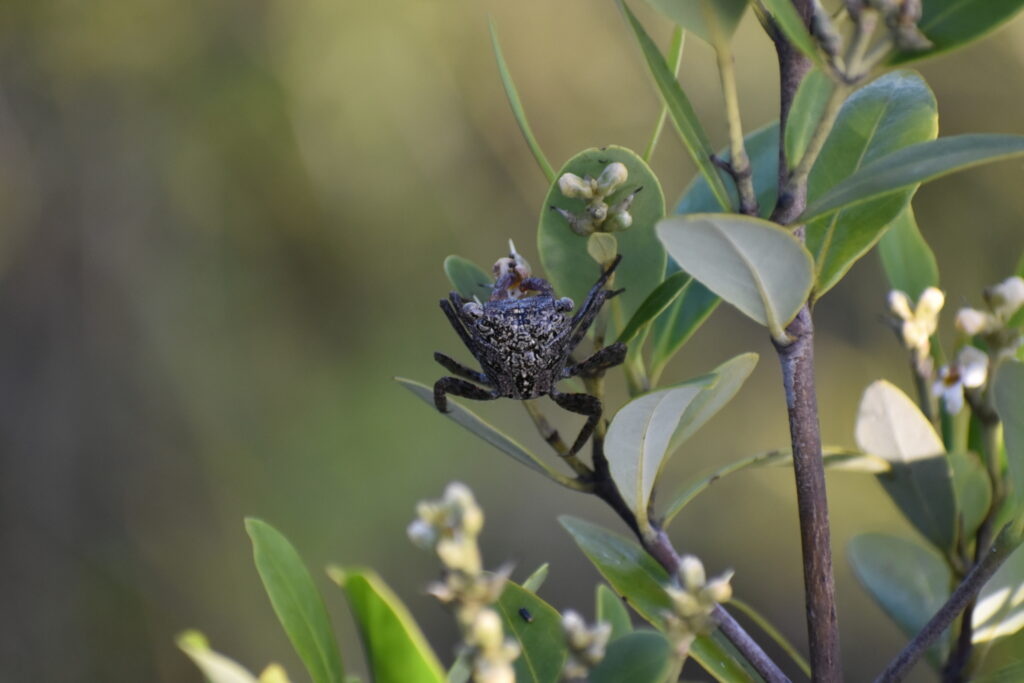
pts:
[726, 381]
[916, 164]
[1000, 608]
[1008, 392]
[639, 579]
[951, 24]
[755, 265]
[612, 610]
[563, 253]
[639, 657]
[892, 112]
[492, 435]
[543, 644]
[637, 443]
[395, 647]
[908, 581]
[891, 426]
[690, 15]
[298, 604]
[683, 116]
[215, 667]
[908, 261]
[468, 279]
[681, 319]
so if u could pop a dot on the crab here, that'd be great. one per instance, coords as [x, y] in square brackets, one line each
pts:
[524, 343]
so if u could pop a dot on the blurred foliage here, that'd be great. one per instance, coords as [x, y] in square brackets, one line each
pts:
[223, 230]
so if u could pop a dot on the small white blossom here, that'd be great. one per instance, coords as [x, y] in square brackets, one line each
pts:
[1007, 297]
[970, 371]
[971, 321]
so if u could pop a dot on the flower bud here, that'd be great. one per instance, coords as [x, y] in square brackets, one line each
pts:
[422, 534]
[486, 631]
[691, 571]
[1007, 297]
[574, 187]
[931, 302]
[619, 222]
[971, 321]
[613, 175]
[719, 589]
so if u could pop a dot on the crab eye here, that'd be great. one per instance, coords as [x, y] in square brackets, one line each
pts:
[473, 309]
[564, 304]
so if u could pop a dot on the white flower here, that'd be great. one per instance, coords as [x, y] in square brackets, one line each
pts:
[919, 322]
[971, 321]
[1007, 297]
[970, 371]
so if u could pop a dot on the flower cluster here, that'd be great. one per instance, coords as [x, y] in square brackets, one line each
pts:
[586, 644]
[597, 215]
[693, 602]
[450, 528]
[994, 324]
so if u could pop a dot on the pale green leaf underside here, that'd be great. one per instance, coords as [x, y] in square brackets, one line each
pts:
[1000, 608]
[755, 265]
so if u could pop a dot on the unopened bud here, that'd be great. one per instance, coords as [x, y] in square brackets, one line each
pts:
[486, 631]
[971, 321]
[574, 187]
[719, 589]
[619, 222]
[613, 175]
[422, 534]
[1007, 297]
[691, 571]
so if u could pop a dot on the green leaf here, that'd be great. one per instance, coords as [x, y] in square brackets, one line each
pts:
[610, 609]
[755, 265]
[836, 460]
[536, 579]
[637, 443]
[695, 303]
[762, 146]
[215, 667]
[690, 15]
[298, 604]
[639, 579]
[468, 279]
[973, 491]
[951, 24]
[908, 581]
[396, 649]
[892, 112]
[1000, 608]
[692, 307]
[891, 426]
[792, 25]
[693, 135]
[808, 107]
[908, 261]
[462, 669]
[492, 435]
[563, 253]
[639, 657]
[658, 300]
[517, 107]
[1008, 393]
[915, 164]
[543, 643]
[726, 381]
[1014, 673]
[675, 58]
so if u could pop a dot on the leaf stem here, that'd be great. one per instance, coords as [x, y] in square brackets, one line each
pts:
[964, 595]
[739, 162]
[675, 59]
[552, 437]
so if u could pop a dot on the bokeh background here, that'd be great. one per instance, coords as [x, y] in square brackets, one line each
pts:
[223, 224]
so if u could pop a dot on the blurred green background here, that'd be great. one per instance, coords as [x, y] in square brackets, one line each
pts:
[223, 228]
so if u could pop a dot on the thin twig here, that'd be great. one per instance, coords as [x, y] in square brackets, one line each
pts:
[963, 596]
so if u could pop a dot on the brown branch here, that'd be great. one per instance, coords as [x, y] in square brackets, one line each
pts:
[797, 361]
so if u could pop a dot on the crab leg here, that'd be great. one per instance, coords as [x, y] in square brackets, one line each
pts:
[460, 387]
[605, 358]
[583, 404]
[456, 368]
